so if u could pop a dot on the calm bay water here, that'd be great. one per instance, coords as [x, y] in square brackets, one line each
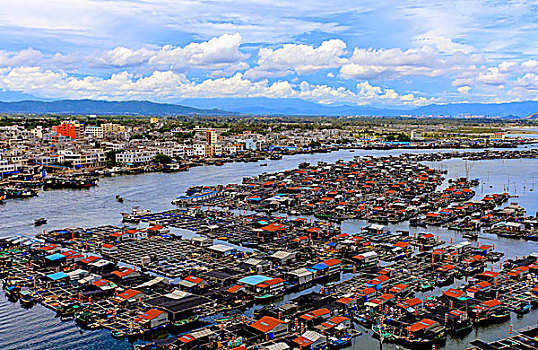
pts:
[37, 328]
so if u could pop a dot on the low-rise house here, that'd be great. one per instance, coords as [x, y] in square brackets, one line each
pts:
[311, 340]
[126, 273]
[270, 327]
[129, 295]
[152, 318]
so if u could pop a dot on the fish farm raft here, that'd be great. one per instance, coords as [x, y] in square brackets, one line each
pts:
[265, 264]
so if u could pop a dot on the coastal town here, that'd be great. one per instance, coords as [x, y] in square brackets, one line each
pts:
[265, 263]
[67, 153]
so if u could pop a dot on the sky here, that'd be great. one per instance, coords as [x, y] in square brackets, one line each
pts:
[372, 53]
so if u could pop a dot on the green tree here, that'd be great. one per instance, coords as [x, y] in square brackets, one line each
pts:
[403, 137]
[162, 159]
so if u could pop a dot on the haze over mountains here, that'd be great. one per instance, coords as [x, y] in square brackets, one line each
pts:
[260, 106]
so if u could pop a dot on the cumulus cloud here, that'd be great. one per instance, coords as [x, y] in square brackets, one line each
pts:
[395, 63]
[166, 85]
[123, 56]
[28, 56]
[215, 54]
[300, 59]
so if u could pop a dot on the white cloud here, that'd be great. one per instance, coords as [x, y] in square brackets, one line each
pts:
[529, 80]
[395, 63]
[215, 54]
[464, 89]
[28, 56]
[301, 59]
[162, 86]
[122, 57]
[442, 43]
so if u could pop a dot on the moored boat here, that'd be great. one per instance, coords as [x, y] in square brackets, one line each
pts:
[338, 342]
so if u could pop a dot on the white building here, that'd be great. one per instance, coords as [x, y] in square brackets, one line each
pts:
[135, 157]
[95, 131]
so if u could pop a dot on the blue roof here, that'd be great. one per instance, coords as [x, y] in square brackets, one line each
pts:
[55, 257]
[199, 195]
[320, 266]
[254, 279]
[57, 276]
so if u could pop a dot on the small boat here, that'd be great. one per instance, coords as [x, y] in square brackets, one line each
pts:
[340, 342]
[425, 286]
[119, 198]
[470, 235]
[522, 308]
[26, 298]
[135, 214]
[12, 292]
[263, 164]
[40, 221]
[118, 334]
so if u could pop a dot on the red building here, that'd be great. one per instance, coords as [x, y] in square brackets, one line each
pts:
[71, 130]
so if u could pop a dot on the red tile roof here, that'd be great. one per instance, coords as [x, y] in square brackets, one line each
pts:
[420, 325]
[149, 315]
[266, 324]
[129, 293]
[193, 279]
[316, 313]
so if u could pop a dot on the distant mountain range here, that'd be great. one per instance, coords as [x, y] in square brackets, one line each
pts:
[295, 106]
[262, 106]
[89, 107]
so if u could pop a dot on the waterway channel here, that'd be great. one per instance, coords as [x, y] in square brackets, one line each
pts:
[37, 328]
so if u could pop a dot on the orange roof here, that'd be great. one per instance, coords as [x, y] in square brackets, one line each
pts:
[331, 262]
[234, 289]
[274, 227]
[129, 293]
[398, 288]
[516, 271]
[489, 274]
[345, 300]
[413, 302]
[302, 341]
[367, 291]
[149, 315]
[266, 324]
[124, 271]
[491, 303]
[334, 321]
[453, 293]
[445, 268]
[401, 244]
[186, 338]
[193, 279]
[274, 281]
[101, 282]
[316, 313]
[155, 228]
[106, 245]
[90, 259]
[420, 325]
[383, 299]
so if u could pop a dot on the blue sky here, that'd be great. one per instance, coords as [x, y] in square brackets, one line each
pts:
[384, 54]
